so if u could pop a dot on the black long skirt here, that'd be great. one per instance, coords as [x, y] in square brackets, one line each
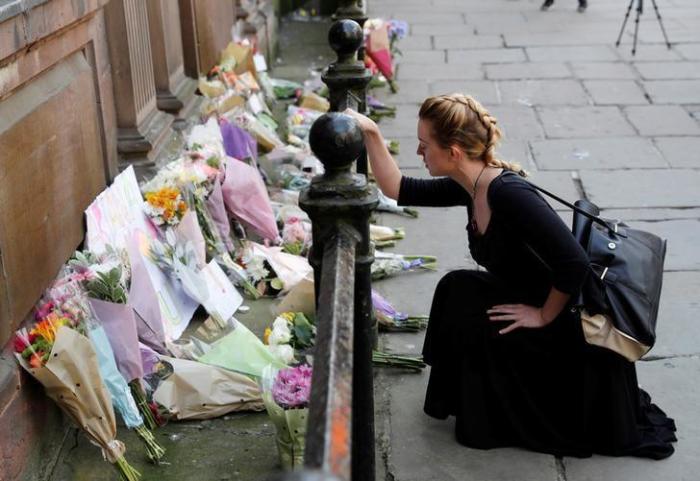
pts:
[542, 389]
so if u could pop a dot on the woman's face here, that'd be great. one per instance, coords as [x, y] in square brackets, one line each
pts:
[435, 157]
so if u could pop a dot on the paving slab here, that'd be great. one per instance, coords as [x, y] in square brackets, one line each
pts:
[440, 72]
[683, 237]
[447, 29]
[654, 120]
[596, 153]
[424, 449]
[673, 385]
[516, 122]
[423, 57]
[673, 91]
[680, 151]
[603, 70]
[526, 70]
[576, 122]
[647, 53]
[404, 124]
[678, 324]
[518, 151]
[542, 92]
[559, 183]
[416, 42]
[600, 53]
[689, 51]
[467, 41]
[486, 55]
[642, 188]
[407, 157]
[616, 92]
[436, 20]
[410, 92]
[666, 71]
[653, 213]
[529, 39]
[482, 90]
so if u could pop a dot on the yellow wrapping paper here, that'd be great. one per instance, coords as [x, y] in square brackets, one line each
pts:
[203, 391]
[72, 379]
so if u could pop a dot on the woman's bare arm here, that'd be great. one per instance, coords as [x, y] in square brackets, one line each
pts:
[384, 167]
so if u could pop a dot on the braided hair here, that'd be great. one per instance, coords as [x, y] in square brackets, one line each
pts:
[460, 120]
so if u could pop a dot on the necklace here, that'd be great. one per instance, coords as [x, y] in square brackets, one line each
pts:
[477, 181]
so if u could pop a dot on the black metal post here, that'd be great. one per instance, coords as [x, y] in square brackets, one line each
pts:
[347, 78]
[336, 201]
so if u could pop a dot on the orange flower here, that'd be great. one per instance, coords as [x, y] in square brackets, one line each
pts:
[48, 327]
[36, 360]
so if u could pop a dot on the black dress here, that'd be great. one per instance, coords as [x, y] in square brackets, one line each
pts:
[543, 389]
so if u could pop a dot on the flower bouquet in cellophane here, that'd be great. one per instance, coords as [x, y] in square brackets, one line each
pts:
[286, 395]
[57, 353]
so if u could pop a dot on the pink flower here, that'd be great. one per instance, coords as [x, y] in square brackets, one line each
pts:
[294, 231]
[292, 387]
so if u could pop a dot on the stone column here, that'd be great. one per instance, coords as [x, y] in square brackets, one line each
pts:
[174, 90]
[142, 128]
[206, 31]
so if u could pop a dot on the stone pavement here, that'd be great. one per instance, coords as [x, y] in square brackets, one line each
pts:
[587, 119]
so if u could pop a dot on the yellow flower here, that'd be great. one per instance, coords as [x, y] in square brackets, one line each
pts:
[289, 316]
[266, 336]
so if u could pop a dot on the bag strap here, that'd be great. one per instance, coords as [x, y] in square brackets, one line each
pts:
[594, 218]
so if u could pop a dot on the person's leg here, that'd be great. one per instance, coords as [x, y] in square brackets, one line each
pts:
[547, 3]
[582, 5]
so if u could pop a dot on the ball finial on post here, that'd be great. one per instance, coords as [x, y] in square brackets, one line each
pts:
[345, 38]
[336, 139]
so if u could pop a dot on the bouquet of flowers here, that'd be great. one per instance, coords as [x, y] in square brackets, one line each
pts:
[385, 359]
[107, 283]
[165, 205]
[57, 353]
[296, 236]
[389, 205]
[385, 236]
[391, 320]
[290, 332]
[286, 396]
[388, 264]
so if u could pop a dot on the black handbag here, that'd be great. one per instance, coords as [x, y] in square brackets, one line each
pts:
[619, 301]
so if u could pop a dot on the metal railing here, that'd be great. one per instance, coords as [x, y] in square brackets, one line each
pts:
[340, 437]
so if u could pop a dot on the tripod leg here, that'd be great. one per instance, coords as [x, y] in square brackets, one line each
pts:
[636, 27]
[661, 23]
[624, 22]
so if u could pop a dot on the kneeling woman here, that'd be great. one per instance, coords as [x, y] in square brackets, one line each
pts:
[508, 357]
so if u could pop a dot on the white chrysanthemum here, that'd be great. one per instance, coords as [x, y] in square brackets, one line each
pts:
[280, 335]
[283, 352]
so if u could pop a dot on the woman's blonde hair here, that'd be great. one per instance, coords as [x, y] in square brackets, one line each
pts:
[460, 120]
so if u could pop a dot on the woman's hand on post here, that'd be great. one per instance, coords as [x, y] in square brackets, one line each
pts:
[367, 125]
[522, 316]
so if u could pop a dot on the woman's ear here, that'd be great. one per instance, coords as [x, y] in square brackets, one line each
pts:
[455, 153]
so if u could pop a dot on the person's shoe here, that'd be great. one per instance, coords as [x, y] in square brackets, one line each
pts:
[582, 5]
[545, 6]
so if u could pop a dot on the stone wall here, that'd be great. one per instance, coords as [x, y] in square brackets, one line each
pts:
[57, 151]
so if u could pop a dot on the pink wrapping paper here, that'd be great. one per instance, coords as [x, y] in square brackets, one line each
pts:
[245, 197]
[188, 230]
[379, 51]
[215, 204]
[119, 323]
[144, 299]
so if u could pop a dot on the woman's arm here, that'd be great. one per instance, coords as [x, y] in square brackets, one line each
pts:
[384, 168]
[523, 315]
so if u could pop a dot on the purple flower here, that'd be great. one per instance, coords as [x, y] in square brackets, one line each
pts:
[383, 306]
[292, 387]
[398, 29]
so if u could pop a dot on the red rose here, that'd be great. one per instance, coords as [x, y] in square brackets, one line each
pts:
[19, 344]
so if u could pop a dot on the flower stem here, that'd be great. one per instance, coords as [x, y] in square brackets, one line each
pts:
[140, 398]
[154, 450]
[126, 471]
